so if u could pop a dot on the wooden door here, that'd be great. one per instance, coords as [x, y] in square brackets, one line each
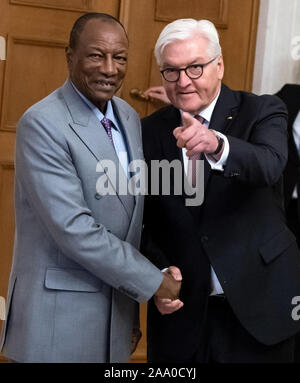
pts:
[33, 35]
[236, 21]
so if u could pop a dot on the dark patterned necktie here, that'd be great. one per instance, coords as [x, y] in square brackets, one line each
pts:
[192, 169]
[108, 125]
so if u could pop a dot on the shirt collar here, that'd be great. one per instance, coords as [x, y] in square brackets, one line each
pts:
[109, 109]
[207, 112]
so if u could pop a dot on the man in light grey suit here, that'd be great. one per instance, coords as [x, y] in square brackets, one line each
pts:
[77, 276]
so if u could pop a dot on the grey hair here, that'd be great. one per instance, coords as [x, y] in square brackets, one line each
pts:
[183, 29]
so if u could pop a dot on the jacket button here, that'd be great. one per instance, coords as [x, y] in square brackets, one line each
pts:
[97, 196]
[204, 238]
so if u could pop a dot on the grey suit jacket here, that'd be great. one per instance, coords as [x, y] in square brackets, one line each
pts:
[77, 274]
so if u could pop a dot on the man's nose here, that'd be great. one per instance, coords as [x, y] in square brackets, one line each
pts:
[108, 66]
[183, 80]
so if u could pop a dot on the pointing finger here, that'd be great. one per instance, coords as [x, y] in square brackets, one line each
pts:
[187, 119]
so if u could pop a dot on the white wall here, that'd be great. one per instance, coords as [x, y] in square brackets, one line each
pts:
[277, 59]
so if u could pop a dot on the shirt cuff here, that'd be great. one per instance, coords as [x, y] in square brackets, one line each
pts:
[219, 165]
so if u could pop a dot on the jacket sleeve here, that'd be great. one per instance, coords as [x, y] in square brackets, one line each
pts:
[259, 156]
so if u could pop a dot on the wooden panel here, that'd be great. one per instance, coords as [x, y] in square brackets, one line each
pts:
[68, 5]
[35, 63]
[237, 41]
[139, 356]
[49, 22]
[7, 224]
[27, 81]
[213, 10]
[7, 145]
[154, 78]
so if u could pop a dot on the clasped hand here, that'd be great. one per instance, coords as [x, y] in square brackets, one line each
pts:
[166, 298]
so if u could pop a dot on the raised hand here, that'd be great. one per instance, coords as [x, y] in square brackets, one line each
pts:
[194, 136]
[157, 93]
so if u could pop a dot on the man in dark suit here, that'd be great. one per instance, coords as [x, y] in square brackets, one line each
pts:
[239, 262]
[290, 95]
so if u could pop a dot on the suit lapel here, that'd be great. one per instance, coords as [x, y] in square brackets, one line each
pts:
[93, 135]
[222, 118]
[87, 127]
[225, 111]
[170, 149]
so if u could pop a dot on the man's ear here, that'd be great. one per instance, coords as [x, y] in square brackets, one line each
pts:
[69, 54]
[220, 68]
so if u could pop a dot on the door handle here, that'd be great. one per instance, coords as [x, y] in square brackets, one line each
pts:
[139, 94]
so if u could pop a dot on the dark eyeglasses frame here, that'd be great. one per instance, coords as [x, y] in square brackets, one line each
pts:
[185, 70]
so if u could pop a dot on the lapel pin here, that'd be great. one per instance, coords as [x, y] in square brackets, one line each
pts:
[229, 118]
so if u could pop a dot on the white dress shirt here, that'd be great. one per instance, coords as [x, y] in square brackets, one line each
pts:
[216, 288]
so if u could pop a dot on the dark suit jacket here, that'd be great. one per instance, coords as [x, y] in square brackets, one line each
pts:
[239, 229]
[290, 94]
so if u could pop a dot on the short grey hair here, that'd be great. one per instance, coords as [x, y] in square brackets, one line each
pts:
[184, 29]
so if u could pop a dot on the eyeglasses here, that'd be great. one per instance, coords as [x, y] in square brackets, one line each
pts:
[192, 71]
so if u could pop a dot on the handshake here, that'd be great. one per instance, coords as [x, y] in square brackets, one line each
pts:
[166, 297]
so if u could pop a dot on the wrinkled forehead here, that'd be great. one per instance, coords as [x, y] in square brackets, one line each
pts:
[184, 52]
